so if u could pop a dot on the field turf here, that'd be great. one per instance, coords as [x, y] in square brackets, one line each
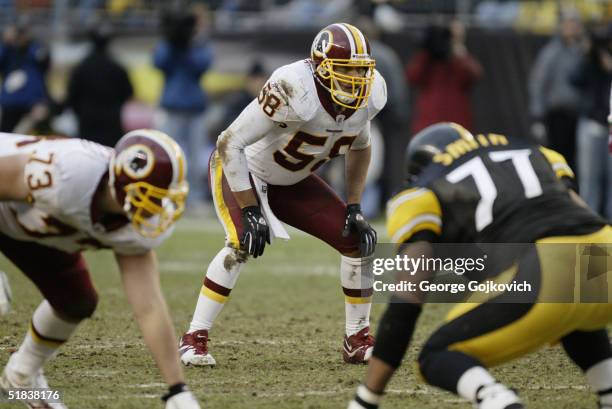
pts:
[277, 343]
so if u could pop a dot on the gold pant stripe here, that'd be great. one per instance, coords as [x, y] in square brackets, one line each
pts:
[207, 292]
[222, 210]
[545, 323]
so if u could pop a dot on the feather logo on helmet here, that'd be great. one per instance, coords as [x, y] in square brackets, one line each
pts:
[137, 161]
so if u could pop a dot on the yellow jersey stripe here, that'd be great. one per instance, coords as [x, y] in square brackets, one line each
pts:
[402, 197]
[563, 170]
[558, 163]
[425, 220]
[420, 227]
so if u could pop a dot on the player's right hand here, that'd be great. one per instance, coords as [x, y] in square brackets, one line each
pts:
[180, 397]
[256, 231]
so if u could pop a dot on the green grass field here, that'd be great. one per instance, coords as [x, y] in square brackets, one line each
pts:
[277, 343]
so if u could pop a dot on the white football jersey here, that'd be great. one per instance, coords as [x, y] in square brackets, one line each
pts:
[300, 134]
[63, 176]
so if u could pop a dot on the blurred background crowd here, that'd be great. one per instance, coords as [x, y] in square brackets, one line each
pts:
[97, 68]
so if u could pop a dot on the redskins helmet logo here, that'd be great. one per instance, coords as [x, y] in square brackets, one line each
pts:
[136, 161]
[323, 43]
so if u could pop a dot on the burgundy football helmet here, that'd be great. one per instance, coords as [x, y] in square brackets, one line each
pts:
[343, 64]
[147, 178]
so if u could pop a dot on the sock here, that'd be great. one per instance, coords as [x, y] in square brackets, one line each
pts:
[472, 380]
[587, 348]
[599, 377]
[47, 333]
[357, 281]
[365, 399]
[221, 276]
[395, 331]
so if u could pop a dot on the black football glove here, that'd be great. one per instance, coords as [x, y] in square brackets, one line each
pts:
[256, 231]
[356, 222]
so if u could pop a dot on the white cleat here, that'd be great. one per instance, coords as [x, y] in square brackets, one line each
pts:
[12, 380]
[5, 294]
[193, 348]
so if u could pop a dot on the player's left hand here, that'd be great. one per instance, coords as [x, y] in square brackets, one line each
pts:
[355, 221]
[179, 397]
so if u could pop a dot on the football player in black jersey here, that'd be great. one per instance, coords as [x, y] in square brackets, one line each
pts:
[465, 188]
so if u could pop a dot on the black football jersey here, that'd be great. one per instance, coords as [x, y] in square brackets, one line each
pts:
[489, 190]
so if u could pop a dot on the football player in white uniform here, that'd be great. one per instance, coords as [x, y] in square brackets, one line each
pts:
[307, 113]
[59, 197]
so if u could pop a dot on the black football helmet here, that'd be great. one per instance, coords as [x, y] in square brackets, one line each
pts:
[428, 143]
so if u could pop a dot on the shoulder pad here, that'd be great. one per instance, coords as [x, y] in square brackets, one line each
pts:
[289, 94]
[411, 211]
[74, 167]
[558, 163]
[378, 97]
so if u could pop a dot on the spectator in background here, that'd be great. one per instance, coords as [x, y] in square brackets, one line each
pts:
[255, 80]
[444, 73]
[23, 65]
[97, 90]
[592, 77]
[183, 56]
[392, 118]
[554, 102]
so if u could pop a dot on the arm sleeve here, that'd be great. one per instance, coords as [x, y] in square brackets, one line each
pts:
[250, 126]
[363, 140]
[414, 212]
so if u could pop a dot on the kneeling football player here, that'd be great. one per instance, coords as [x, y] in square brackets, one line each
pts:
[59, 197]
[493, 189]
[261, 174]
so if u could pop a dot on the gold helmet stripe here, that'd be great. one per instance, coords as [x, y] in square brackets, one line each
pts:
[358, 38]
[464, 133]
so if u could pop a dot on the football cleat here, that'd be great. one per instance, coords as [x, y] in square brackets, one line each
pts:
[497, 396]
[358, 347]
[5, 294]
[193, 348]
[14, 380]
